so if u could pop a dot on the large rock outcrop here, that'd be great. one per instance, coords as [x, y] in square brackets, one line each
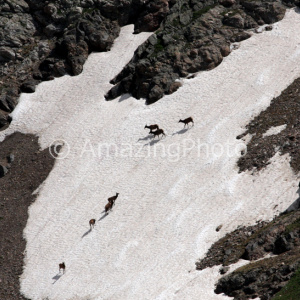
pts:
[194, 36]
[265, 277]
[41, 40]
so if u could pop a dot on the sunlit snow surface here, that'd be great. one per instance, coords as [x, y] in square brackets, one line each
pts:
[169, 206]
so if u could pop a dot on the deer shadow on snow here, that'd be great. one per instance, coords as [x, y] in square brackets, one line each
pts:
[56, 277]
[181, 131]
[104, 216]
[146, 138]
[151, 143]
[86, 233]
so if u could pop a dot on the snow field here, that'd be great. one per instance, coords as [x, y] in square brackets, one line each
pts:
[169, 206]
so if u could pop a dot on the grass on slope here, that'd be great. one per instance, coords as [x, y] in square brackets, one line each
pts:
[292, 290]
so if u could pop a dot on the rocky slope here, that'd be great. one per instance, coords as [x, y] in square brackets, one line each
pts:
[280, 237]
[265, 277]
[194, 36]
[261, 279]
[25, 168]
[41, 40]
[283, 113]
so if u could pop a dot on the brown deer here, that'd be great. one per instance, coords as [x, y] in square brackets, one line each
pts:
[62, 266]
[92, 223]
[152, 127]
[158, 132]
[108, 207]
[113, 199]
[187, 121]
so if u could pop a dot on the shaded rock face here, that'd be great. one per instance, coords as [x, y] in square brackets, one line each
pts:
[193, 36]
[40, 40]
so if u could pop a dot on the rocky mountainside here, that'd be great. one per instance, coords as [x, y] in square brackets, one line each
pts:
[194, 36]
[273, 251]
[41, 40]
[281, 236]
[265, 277]
[26, 168]
[283, 113]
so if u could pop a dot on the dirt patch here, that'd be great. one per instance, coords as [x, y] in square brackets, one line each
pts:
[27, 167]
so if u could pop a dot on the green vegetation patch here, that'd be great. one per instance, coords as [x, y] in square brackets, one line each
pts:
[176, 22]
[89, 10]
[292, 290]
[292, 227]
[158, 47]
[199, 13]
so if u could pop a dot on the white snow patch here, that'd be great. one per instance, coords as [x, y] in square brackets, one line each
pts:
[168, 209]
[274, 130]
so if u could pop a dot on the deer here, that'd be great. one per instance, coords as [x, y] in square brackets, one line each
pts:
[158, 132]
[113, 199]
[152, 127]
[62, 266]
[92, 223]
[187, 121]
[108, 207]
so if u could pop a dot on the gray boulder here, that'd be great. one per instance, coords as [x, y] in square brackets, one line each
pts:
[3, 171]
[7, 54]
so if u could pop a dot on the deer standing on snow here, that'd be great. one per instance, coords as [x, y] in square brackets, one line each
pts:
[187, 121]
